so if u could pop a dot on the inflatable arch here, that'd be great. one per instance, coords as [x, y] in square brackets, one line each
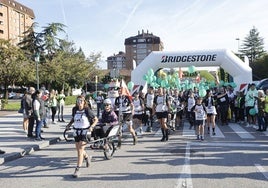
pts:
[239, 70]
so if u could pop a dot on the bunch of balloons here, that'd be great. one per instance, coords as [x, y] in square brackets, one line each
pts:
[171, 79]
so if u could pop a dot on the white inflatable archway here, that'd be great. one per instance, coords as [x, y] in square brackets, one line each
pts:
[239, 70]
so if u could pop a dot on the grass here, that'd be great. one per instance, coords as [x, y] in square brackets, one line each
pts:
[14, 105]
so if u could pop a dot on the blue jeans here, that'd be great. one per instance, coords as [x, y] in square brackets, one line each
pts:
[38, 127]
[261, 123]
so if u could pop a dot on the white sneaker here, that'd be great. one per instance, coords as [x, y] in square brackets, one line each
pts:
[141, 131]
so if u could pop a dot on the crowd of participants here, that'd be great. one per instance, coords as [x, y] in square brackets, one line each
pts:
[220, 106]
[168, 108]
[39, 109]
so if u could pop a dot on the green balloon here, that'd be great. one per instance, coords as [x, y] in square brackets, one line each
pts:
[191, 69]
[150, 72]
[130, 85]
[106, 86]
[202, 92]
[252, 111]
[163, 83]
[145, 77]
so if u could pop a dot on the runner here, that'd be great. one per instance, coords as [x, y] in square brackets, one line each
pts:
[211, 111]
[125, 110]
[161, 107]
[84, 120]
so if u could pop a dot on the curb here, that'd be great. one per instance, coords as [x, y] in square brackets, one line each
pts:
[28, 150]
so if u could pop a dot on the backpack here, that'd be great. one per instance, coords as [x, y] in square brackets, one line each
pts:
[126, 101]
[86, 112]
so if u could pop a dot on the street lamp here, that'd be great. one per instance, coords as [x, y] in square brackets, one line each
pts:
[96, 84]
[36, 59]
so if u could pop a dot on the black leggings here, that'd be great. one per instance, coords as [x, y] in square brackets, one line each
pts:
[54, 111]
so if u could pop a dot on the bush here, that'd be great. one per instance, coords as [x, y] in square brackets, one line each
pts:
[70, 100]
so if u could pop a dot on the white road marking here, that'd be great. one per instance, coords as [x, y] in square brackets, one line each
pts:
[218, 132]
[262, 170]
[242, 133]
[185, 179]
[227, 144]
[188, 132]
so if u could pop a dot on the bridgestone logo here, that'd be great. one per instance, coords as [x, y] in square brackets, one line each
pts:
[189, 58]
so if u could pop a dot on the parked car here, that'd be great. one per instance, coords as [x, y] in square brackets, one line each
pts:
[263, 84]
[12, 95]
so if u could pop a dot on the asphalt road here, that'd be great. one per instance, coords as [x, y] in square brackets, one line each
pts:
[236, 157]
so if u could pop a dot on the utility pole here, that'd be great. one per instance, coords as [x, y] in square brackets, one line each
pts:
[36, 58]
[96, 84]
[238, 45]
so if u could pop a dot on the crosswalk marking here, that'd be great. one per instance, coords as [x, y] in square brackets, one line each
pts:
[218, 132]
[262, 170]
[191, 132]
[265, 133]
[242, 133]
[188, 132]
[158, 133]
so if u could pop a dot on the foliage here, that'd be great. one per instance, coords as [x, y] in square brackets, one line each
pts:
[70, 100]
[253, 46]
[12, 64]
[260, 67]
[61, 66]
[205, 74]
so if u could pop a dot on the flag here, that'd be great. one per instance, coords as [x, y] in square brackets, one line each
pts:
[134, 64]
[145, 88]
[124, 88]
[180, 73]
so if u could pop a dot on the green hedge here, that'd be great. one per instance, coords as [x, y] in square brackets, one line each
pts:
[15, 105]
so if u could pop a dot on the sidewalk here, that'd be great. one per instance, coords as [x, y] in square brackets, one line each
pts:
[16, 144]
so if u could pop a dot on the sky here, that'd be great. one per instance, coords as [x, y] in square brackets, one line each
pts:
[182, 25]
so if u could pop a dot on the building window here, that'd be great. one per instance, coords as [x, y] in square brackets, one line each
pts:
[1, 22]
[1, 14]
[141, 40]
[1, 31]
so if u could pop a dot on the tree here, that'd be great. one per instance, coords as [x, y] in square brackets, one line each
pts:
[12, 64]
[61, 65]
[253, 46]
[260, 68]
[50, 34]
[32, 42]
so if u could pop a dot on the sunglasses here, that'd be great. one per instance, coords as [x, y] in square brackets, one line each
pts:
[79, 100]
[106, 104]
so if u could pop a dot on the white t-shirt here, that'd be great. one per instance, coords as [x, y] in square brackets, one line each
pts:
[81, 120]
[137, 106]
[190, 103]
[149, 100]
[161, 105]
[200, 113]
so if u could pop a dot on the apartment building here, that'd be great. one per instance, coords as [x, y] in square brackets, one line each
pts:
[140, 46]
[15, 18]
[117, 61]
